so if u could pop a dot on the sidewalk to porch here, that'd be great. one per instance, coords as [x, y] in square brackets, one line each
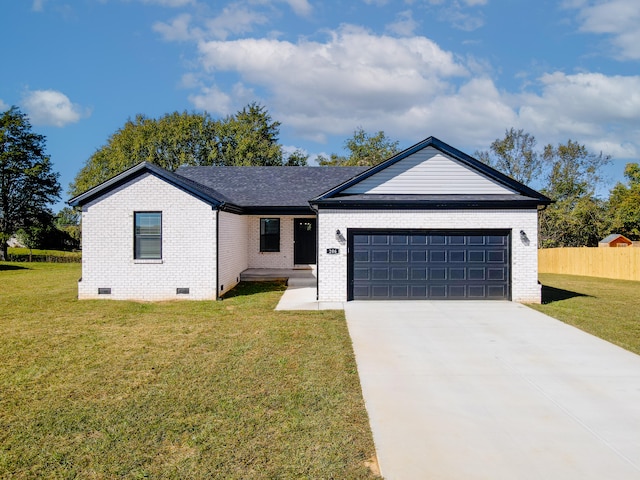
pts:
[301, 292]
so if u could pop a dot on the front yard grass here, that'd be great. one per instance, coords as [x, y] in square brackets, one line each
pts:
[609, 309]
[184, 390]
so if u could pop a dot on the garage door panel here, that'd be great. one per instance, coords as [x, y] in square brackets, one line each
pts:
[457, 256]
[400, 256]
[381, 292]
[437, 291]
[379, 274]
[496, 291]
[437, 274]
[477, 291]
[424, 265]
[361, 239]
[361, 274]
[457, 274]
[418, 274]
[457, 292]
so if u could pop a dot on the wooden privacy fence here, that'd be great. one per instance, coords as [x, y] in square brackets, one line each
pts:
[619, 263]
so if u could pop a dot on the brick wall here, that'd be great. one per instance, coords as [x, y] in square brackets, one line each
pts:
[233, 244]
[281, 259]
[188, 244]
[332, 269]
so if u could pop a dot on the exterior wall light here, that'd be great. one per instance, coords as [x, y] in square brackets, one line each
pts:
[340, 236]
[524, 238]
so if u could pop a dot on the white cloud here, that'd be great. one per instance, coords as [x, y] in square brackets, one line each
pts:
[49, 107]
[178, 29]
[3, 106]
[404, 25]
[619, 19]
[300, 7]
[589, 107]
[235, 19]
[328, 88]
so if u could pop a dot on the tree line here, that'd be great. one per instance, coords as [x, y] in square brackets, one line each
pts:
[573, 178]
[567, 173]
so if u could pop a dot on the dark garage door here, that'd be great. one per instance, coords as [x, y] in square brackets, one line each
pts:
[417, 264]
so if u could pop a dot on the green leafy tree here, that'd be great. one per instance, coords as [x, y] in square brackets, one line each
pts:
[515, 155]
[578, 217]
[68, 221]
[297, 158]
[171, 141]
[250, 137]
[27, 183]
[624, 204]
[36, 233]
[364, 150]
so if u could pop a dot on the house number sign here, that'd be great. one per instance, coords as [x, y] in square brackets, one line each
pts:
[333, 251]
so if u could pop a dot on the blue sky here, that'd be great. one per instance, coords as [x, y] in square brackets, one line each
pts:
[461, 70]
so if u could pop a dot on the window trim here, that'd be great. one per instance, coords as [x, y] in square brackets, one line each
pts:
[265, 236]
[136, 256]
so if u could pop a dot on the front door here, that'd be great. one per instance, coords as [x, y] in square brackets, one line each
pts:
[304, 241]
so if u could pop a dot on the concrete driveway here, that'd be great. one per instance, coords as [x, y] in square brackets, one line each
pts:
[494, 390]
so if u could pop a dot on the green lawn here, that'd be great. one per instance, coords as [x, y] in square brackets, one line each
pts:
[230, 389]
[609, 309]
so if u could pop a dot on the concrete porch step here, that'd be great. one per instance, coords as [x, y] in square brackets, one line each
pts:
[302, 282]
[294, 277]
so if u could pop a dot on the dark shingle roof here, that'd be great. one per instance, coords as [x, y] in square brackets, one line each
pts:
[269, 186]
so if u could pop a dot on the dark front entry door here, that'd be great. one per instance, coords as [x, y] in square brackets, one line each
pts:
[304, 238]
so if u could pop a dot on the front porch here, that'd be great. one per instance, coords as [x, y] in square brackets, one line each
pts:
[298, 277]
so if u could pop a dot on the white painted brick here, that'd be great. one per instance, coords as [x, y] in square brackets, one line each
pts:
[188, 244]
[332, 269]
[281, 259]
[234, 244]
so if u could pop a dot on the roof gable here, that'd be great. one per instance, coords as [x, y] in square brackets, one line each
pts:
[432, 167]
[202, 192]
[615, 236]
[431, 172]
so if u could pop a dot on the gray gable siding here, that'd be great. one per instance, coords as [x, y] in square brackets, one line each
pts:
[428, 172]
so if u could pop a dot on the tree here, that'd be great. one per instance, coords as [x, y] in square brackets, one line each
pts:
[34, 235]
[68, 221]
[365, 150]
[27, 183]
[297, 159]
[250, 137]
[624, 204]
[171, 141]
[514, 155]
[578, 217]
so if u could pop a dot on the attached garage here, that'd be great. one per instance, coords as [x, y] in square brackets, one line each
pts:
[430, 223]
[429, 265]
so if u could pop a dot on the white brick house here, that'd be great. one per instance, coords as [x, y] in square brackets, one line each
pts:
[429, 223]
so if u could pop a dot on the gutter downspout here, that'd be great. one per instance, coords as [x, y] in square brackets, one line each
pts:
[317, 211]
[217, 210]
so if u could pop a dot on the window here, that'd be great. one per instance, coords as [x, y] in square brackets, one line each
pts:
[148, 235]
[269, 234]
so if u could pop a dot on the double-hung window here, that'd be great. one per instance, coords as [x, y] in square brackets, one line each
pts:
[148, 235]
[269, 234]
